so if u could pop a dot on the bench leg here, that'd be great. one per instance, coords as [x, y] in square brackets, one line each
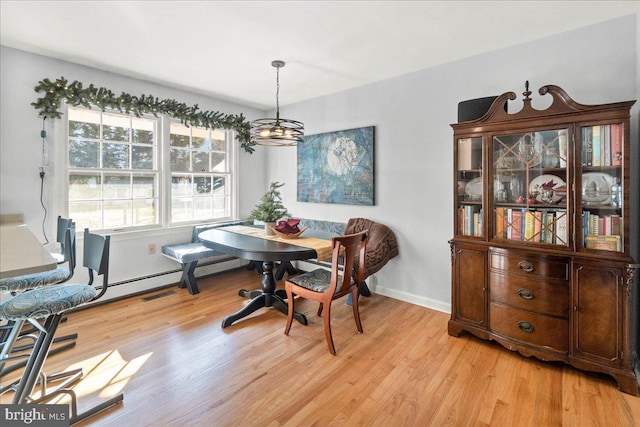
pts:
[188, 279]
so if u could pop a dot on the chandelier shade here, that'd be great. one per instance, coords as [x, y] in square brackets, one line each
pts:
[277, 131]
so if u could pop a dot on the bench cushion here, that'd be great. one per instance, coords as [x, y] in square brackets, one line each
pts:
[188, 252]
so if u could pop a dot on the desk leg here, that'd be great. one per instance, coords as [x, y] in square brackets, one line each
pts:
[267, 296]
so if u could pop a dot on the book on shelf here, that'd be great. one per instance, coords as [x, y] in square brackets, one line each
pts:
[470, 221]
[606, 144]
[593, 224]
[537, 226]
[549, 236]
[529, 226]
[616, 144]
[608, 243]
[509, 223]
[595, 146]
[500, 223]
[616, 225]
[587, 146]
[517, 221]
[561, 228]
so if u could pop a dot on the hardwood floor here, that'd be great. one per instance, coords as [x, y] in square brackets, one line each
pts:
[176, 366]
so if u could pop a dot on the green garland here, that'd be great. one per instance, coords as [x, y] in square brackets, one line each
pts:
[74, 94]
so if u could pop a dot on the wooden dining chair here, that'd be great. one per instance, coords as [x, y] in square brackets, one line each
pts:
[325, 286]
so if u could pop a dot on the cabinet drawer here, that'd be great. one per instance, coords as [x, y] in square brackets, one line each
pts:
[531, 266]
[529, 294]
[529, 327]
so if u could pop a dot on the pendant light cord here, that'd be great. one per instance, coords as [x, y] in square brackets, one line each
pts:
[277, 93]
[43, 135]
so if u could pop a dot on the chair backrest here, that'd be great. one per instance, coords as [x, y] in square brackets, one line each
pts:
[96, 258]
[67, 248]
[351, 249]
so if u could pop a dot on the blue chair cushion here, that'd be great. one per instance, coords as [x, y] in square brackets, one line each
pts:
[43, 302]
[31, 281]
[316, 280]
[188, 252]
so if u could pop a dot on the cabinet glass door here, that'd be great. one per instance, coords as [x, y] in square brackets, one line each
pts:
[602, 193]
[469, 189]
[529, 183]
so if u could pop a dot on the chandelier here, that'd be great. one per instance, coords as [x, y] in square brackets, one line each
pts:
[277, 132]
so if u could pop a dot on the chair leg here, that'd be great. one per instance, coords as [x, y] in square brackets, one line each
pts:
[289, 311]
[327, 328]
[356, 309]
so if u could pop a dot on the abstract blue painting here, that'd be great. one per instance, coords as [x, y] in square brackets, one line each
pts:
[337, 167]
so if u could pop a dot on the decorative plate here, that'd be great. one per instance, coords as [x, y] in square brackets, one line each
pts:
[551, 182]
[474, 189]
[596, 188]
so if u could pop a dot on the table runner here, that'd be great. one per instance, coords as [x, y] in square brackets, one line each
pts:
[322, 247]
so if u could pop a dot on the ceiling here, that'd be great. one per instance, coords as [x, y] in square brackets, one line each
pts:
[225, 48]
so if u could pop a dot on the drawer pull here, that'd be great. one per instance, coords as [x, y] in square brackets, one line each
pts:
[525, 266]
[525, 293]
[525, 326]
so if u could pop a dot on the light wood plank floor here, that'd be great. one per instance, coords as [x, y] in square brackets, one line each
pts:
[177, 367]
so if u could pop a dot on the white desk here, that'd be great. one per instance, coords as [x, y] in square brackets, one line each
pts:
[21, 252]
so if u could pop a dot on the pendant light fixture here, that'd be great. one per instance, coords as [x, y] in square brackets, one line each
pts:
[277, 132]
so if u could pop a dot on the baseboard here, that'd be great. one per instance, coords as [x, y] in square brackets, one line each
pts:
[413, 299]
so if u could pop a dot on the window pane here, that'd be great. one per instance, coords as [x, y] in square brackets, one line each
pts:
[182, 209]
[117, 187]
[144, 212]
[83, 154]
[202, 185]
[117, 213]
[218, 141]
[115, 128]
[200, 139]
[179, 136]
[180, 186]
[218, 162]
[84, 187]
[86, 214]
[202, 208]
[219, 186]
[221, 206]
[142, 157]
[84, 123]
[143, 186]
[115, 156]
[200, 161]
[143, 131]
[179, 160]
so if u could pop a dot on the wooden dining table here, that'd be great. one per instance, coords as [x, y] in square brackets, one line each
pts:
[248, 244]
[21, 252]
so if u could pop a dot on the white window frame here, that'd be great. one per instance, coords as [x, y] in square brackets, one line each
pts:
[60, 171]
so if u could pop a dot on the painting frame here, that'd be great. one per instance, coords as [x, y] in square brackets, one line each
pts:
[337, 167]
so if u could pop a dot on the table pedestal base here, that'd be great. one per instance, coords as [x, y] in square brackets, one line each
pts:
[267, 296]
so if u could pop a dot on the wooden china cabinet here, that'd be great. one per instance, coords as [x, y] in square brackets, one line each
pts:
[541, 258]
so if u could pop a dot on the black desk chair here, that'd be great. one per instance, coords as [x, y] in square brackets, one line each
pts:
[47, 305]
[325, 286]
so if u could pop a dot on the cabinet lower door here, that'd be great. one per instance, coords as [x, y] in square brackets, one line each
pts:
[469, 290]
[599, 310]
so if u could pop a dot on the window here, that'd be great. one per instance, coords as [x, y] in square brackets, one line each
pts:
[116, 178]
[199, 162]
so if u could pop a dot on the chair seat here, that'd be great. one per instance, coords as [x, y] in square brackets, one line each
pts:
[45, 301]
[317, 280]
[188, 252]
[36, 280]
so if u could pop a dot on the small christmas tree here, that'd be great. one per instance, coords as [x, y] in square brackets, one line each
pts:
[271, 209]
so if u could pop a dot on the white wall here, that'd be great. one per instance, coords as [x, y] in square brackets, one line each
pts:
[413, 150]
[413, 139]
[20, 158]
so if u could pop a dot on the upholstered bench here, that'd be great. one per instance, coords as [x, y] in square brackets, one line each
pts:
[188, 254]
